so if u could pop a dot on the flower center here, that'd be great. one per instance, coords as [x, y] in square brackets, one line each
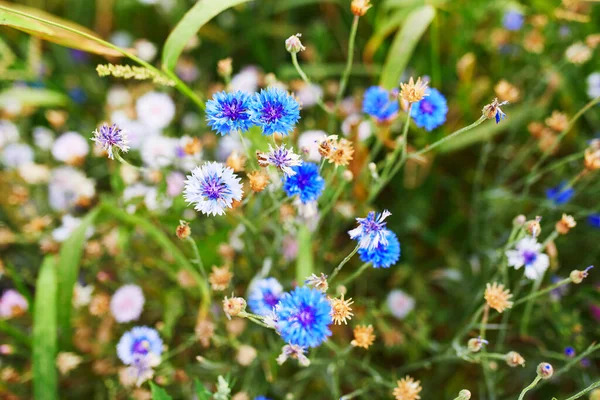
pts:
[272, 112]
[270, 299]
[141, 346]
[306, 317]
[426, 107]
[529, 257]
[234, 110]
[213, 187]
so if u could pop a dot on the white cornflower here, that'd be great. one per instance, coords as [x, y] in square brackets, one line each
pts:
[528, 253]
[155, 109]
[70, 148]
[400, 304]
[212, 188]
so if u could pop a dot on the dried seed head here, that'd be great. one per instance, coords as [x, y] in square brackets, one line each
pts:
[558, 121]
[360, 7]
[293, 44]
[578, 276]
[363, 336]
[476, 344]
[506, 91]
[220, 277]
[533, 227]
[233, 306]
[407, 389]
[341, 310]
[225, 67]
[514, 359]
[493, 110]
[497, 298]
[258, 181]
[183, 231]
[565, 224]
[236, 161]
[413, 91]
[591, 159]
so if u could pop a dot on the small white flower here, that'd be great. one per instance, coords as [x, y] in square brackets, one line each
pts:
[67, 186]
[158, 151]
[400, 304]
[69, 225]
[246, 80]
[212, 188]
[8, 133]
[16, 155]
[593, 83]
[155, 109]
[34, 173]
[70, 147]
[307, 141]
[43, 137]
[127, 303]
[528, 253]
[82, 295]
[293, 351]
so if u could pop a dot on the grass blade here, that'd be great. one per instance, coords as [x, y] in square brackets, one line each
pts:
[404, 44]
[45, 378]
[304, 261]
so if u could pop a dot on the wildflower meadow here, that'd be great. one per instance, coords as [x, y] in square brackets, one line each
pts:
[300, 199]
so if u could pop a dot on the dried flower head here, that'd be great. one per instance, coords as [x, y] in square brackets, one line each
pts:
[100, 304]
[246, 355]
[293, 44]
[578, 276]
[545, 370]
[534, 42]
[183, 230]
[506, 91]
[342, 154]
[591, 159]
[493, 110]
[326, 145]
[259, 180]
[535, 129]
[204, 331]
[225, 67]
[407, 389]
[497, 297]
[295, 352]
[236, 161]
[363, 336]
[566, 223]
[578, 53]
[318, 282]
[360, 7]
[66, 362]
[533, 227]
[220, 278]
[412, 91]
[558, 121]
[514, 359]
[233, 306]
[341, 310]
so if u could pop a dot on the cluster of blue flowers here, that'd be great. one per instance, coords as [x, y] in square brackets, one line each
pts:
[377, 244]
[274, 110]
[561, 194]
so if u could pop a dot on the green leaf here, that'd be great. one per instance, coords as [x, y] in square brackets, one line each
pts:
[68, 269]
[45, 378]
[404, 44]
[16, 333]
[304, 261]
[201, 391]
[173, 311]
[33, 97]
[202, 12]
[53, 29]
[159, 393]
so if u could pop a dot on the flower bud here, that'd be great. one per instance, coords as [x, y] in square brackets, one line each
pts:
[475, 344]
[533, 227]
[293, 44]
[360, 7]
[233, 306]
[183, 231]
[545, 370]
[514, 359]
[463, 395]
[565, 224]
[348, 175]
[578, 276]
[519, 220]
[224, 67]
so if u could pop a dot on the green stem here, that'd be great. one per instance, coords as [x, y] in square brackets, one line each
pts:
[531, 386]
[449, 137]
[335, 197]
[348, 69]
[306, 79]
[120, 159]
[542, 292]
[584, 391]
[344, 261]
[356, 274]
[198, 259]
[403, 148]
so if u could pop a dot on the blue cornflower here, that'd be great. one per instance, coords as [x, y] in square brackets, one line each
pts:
[263, 295]
[370, 230]
[380, 104]
[594, 220]
[384, 255]
[261, 398]
[569, 352]
[303, 317]
[109, 136]
[275, 111]
[139, 341]
[560, 194]
[513, 20]
[430, 112]
[306, 182]
[227, 112]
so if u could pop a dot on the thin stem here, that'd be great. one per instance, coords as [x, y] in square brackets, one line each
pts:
[344, 261]
[584, 391]
[120, 159]
[484, 320]
[542, 292]
[449, 137]
[390, 161]
[198, 259]
[335, 197]
[528, 388]
[307, 80]
[348, 69]
[356, 274]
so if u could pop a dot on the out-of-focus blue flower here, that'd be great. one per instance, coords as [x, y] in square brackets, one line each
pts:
[382, 255]
[139, 341]
[275, 111]
[430, 112]
[380, 104]
[513, 20]
[594, 220]
[306, 182]
[78, 95]
[569, 352]
[303, 317]
[261, 398]
[560, 194]
[559, 292]
[370, 231]
[227, 112]
[263, 295]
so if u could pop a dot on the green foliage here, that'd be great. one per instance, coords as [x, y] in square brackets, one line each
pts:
[159, 393]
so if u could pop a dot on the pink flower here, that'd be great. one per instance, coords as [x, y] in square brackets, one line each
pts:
[127, 303]
[12, 304]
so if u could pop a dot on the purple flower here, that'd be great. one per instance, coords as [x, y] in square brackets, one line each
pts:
[109, 136]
